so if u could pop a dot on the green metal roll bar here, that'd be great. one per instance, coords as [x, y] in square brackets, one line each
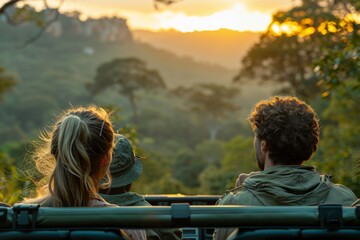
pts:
[178, 215]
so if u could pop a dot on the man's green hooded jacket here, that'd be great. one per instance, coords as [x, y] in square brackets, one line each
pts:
[288, 186]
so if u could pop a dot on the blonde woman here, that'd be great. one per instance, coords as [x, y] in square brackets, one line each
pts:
[77, 153]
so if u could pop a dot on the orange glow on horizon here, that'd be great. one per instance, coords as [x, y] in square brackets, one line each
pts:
[236, 18]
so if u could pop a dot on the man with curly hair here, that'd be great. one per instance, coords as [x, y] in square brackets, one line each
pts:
[286, 133]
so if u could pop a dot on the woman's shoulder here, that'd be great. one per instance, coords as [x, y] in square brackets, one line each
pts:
[99, 202]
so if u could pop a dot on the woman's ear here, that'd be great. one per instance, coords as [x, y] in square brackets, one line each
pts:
[106, 160]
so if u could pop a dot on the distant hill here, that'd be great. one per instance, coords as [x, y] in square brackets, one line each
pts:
[85, 54]
[224, 47]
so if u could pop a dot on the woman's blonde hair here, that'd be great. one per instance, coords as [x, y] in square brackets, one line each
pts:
[72, 151]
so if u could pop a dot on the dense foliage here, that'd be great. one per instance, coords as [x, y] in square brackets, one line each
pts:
[128, 74]
[313, 45]
[311, 51]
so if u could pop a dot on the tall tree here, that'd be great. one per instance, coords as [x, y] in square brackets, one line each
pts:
[287, 51]
[131, 75]
[340, 64]
[210, 102]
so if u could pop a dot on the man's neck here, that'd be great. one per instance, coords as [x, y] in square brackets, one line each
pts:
[269, 163]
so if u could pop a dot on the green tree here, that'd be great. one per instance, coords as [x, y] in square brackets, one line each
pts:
[214, 180]
[239, 156]
[168, 185]
[131, 75]
[210, 151]
[339, 148]
[186, 168]
[210, 102]
[287, 51]
[189, 164]
[342, 62]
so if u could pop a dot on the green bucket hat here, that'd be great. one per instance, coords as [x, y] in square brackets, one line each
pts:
[125, 167]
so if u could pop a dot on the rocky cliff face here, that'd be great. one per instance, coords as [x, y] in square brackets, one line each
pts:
[104, 29]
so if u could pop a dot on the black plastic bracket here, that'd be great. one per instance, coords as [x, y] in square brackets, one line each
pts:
[3, 214]
[357, 212]
[180, 214]
[24, 216]
[330, 215]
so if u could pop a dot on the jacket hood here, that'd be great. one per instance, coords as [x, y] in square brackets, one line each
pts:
[289, 185]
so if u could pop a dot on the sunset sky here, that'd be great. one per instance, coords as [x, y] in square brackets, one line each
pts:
[185, 16]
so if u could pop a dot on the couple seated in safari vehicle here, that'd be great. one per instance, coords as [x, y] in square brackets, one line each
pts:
[83, 146]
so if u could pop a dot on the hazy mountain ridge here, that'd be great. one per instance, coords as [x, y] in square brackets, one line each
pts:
[67, 62]
[81, 55]
[223, 47]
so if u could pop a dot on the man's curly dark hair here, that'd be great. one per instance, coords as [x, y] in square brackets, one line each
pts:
[289, 126]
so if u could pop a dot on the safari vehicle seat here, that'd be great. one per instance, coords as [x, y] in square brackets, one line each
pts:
[322, 222]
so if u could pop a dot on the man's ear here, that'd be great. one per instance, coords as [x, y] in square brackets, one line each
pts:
[264, 146]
